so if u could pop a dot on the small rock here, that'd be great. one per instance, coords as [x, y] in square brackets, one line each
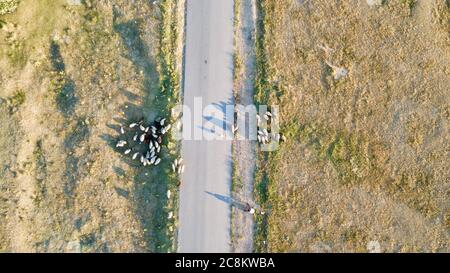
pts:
[73, 247]
[339, 73]
[373, 247]
[374, 2]
[74, 2]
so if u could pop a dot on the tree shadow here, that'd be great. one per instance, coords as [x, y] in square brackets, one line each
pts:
[122, 192]
[66, 99]
[79, 134]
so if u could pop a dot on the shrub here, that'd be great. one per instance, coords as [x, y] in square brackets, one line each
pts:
[8, 6]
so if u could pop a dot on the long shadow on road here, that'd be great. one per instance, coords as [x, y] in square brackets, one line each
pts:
[239, 204]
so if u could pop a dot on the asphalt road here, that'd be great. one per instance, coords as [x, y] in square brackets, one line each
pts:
[204, 199]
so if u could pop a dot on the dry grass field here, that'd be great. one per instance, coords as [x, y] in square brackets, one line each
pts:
[366, 164]
[70, 73]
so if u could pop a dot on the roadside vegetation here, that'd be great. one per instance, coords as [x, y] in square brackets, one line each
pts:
[364, 167]
[236, 180]
[170, 58]
[243, 150]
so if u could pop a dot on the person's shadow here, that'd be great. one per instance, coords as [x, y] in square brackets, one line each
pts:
[232, 202]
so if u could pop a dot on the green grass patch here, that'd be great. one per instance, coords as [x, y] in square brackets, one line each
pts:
[410, 5]
[169, 84]
[17, 99]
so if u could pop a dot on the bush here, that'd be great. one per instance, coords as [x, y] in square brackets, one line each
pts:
[8, 6]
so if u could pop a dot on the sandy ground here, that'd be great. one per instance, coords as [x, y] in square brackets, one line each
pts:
[82, 71]
[366, 164]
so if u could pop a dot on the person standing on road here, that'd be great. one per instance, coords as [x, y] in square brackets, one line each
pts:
[249, 208]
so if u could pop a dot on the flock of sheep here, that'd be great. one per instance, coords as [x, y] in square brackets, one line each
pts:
[265, 135]
[150, 137]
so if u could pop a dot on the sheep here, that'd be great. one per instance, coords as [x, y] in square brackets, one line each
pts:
[157, 161]
[122, 131]
[135, 156]
[147, 161]
[135, 137]
[142, 128]
[162, 122]
[127, 151]
[132, 125]
[234, 128]
[142, 138]
[121, 143]
[152, 160]
[174, 168]
[181, 169]
[277, 137]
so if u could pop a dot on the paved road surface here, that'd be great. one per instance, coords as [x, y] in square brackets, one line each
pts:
[204, 208]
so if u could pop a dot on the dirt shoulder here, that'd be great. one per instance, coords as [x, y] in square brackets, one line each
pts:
[244, 150]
